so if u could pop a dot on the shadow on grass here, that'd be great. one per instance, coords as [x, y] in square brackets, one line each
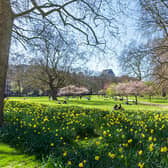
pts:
[90, 102]
[9, 153]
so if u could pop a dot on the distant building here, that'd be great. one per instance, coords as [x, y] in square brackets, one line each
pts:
[108, 73]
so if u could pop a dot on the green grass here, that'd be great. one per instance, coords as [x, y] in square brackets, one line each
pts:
[154, 99]
[11, 158]
[95, 102]
[160, 100]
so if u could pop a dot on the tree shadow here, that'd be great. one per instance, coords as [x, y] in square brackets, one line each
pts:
[9, 153]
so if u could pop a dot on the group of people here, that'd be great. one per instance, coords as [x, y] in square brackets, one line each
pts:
[117, 107]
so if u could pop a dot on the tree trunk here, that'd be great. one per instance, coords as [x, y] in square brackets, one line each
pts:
[136, 100]
[6, 22]
[163, 93]
[127, 98]
[150, 97]
[53, 93]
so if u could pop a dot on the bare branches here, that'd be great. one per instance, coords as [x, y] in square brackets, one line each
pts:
[135, 61]
[81, 15]
[154, 15]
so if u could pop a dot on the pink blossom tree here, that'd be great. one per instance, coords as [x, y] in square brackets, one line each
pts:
[135, 88]
[72, 90]
[149, 90]
[121, 89]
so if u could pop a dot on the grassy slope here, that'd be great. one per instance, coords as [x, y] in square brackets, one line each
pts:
[95, 102]
[10, 158]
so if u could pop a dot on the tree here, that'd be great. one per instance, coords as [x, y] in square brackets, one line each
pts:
[111, 90]
[149, 89]
[55, 57]
[17, 15]
[154, 21]
[121, 89]
[135, 61]
[135, 88]
[154, 16]
[6, 22]
[159, 64]
[72, 90]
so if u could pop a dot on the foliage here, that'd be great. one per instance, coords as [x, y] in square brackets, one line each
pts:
[111, 91]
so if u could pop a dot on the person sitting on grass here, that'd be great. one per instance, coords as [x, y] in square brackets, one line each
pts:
[127, 103]
[119, 107]
[65, 102]
[115, 107]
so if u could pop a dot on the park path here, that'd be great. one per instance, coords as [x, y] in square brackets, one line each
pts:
[153, 104]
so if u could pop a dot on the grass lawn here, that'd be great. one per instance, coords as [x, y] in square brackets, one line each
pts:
[11, 158]
[154, 99]
[95, 102]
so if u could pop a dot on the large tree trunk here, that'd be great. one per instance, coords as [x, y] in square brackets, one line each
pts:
[54, 94]
[6, 22]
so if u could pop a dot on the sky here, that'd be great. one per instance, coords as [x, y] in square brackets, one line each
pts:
[128, 31]
[109, 60]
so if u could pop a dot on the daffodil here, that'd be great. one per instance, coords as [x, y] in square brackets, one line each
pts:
[163, 149]
[141, 165]
[151, 147]
[140, 152]
[97, 158]
[80, 165]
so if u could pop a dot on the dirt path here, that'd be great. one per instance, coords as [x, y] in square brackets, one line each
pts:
[153, 104]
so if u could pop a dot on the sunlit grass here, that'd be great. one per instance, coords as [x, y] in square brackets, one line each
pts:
[95, 102]
[11, 158]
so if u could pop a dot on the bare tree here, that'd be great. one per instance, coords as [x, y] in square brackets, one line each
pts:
[55, 57]
[135, 61]
[154, 16]
[159, 54]
[84, 16]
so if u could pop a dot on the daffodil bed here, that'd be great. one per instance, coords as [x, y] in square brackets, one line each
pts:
[73, 137]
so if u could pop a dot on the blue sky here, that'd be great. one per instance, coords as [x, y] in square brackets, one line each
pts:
[127, 32]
